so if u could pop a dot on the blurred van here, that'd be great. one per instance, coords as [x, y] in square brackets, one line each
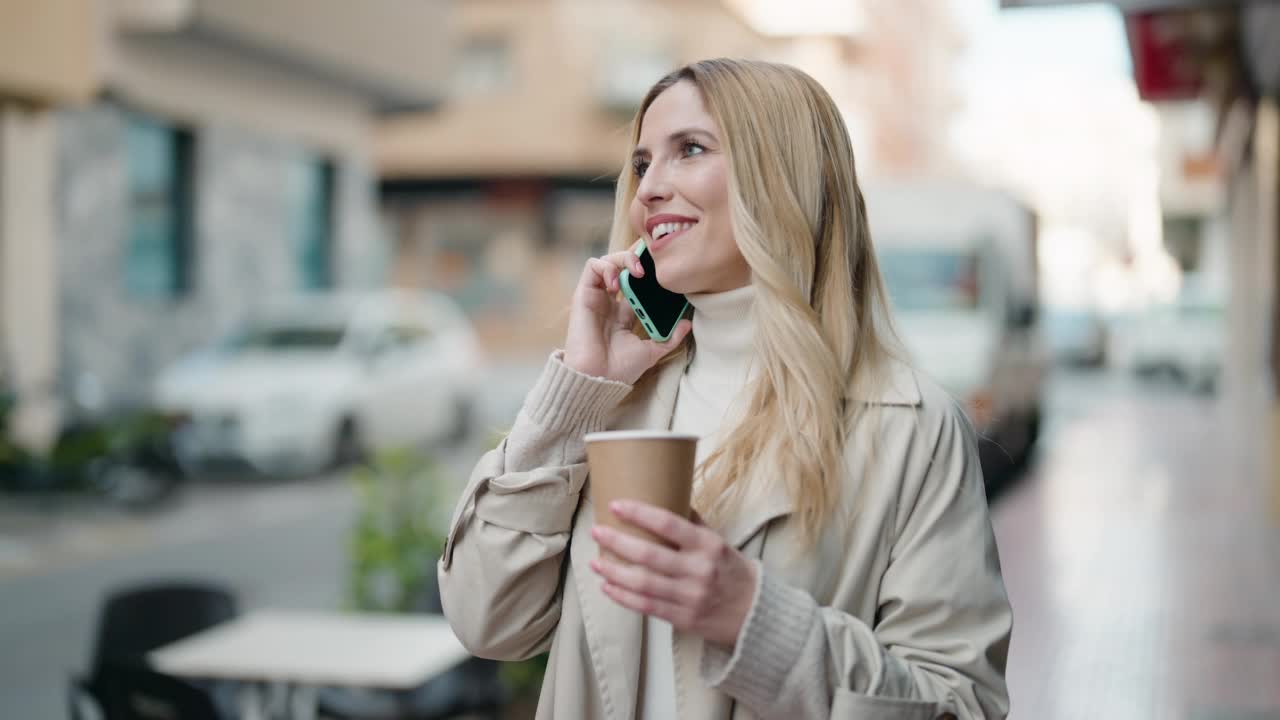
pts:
[959, 261]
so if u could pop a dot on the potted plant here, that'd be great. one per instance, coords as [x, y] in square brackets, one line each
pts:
[405, 503]
[399, 532]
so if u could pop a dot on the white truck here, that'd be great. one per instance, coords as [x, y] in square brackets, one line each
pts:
[959, 260]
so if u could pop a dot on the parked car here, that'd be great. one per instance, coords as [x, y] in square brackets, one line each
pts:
[959, 263]
[1183, 341]
[316, 381]
[1077, 337]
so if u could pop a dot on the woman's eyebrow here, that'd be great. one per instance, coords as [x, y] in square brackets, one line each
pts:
[688, 132]
[642, 152]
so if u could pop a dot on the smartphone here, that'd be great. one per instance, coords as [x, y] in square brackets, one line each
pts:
[658, 309]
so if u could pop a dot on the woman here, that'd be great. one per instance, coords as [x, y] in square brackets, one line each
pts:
[842, 564]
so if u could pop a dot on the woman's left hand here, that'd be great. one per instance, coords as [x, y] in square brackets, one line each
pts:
[704, 586]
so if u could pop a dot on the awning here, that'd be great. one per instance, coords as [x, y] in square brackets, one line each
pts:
[1127, 6]
[393, 51]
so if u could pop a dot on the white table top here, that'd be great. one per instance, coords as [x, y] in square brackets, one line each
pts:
[318, 648]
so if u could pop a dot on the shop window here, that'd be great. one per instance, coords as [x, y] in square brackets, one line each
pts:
[1183, 239]
[483, 66]
[158, 247]
[313, 223]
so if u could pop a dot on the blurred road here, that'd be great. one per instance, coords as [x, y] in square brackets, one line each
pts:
[1136, 552]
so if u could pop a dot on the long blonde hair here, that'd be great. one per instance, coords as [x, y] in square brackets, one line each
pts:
[822, 337]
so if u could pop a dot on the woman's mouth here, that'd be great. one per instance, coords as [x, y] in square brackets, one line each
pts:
[664, 233]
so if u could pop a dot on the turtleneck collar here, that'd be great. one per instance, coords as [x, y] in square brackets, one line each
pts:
[723, 327]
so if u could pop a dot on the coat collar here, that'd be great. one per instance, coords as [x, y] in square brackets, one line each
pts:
[898, 388]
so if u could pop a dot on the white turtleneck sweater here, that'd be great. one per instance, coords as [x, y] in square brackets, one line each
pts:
[721, 366]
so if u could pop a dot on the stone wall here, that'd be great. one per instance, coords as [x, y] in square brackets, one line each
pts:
[244, 187]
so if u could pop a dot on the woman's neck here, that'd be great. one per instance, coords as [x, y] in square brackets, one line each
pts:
[723, 327]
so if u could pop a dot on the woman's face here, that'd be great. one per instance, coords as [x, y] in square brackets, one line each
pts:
[681, 206]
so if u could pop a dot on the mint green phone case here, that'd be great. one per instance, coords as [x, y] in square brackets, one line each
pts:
[637, 306]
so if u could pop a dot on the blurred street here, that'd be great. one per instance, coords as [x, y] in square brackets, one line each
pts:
[246, 242]
[279, 543]
[1116, 545]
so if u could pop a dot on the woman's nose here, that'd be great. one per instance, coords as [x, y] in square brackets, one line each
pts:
[653, 187]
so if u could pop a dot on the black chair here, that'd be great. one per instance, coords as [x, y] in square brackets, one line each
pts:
[471, 689]
[134, 693]
[136, 620]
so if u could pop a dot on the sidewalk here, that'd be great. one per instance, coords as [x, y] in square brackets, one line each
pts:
[1143, 568]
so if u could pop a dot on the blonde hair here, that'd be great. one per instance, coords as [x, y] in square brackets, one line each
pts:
[822, 337]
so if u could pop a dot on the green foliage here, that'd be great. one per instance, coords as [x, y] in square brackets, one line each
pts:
[78, 445]
[525, 677]
[405, 505]
[14, 459]
[81, 444]
[399, 533]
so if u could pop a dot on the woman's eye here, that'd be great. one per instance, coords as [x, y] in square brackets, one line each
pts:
[692, 148]
[639, 167]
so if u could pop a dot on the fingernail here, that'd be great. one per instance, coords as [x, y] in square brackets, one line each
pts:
[617, 506]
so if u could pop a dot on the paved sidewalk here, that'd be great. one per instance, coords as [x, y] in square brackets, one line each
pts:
[1142, 565]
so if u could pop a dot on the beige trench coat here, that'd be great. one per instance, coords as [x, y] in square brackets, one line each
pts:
[899, 612]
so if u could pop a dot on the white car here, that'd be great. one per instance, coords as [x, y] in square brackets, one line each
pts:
[318, 380]
[1184, 340]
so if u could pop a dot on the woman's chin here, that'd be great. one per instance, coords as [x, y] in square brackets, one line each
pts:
[675, 282]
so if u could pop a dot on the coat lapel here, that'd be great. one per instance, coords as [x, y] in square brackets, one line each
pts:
[773, 502]
[745, 532]
[614, 634]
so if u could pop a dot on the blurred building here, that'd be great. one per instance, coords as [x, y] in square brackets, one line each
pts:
[167, 164]
[1225, 55]
[499, 195]
[1194, 221]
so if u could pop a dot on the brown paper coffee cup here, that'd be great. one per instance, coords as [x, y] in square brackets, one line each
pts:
[652, 466]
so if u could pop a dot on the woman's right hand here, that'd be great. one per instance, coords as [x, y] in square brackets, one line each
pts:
[600, 342]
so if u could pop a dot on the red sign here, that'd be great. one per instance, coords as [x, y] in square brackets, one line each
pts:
[1164, 62]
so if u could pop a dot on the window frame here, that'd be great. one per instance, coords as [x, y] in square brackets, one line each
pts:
[177, 198]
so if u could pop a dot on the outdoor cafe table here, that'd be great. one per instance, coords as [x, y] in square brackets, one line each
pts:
[294, 652]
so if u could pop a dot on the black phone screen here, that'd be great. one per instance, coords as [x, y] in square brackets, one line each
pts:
[661, 306]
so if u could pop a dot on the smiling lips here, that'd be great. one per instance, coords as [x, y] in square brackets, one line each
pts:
[665, 227]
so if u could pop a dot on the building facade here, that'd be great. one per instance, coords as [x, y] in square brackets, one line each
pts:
[170, 164]
[499, 195]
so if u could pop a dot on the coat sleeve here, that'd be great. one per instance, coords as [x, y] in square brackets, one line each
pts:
[500, 573]
[938, 645]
